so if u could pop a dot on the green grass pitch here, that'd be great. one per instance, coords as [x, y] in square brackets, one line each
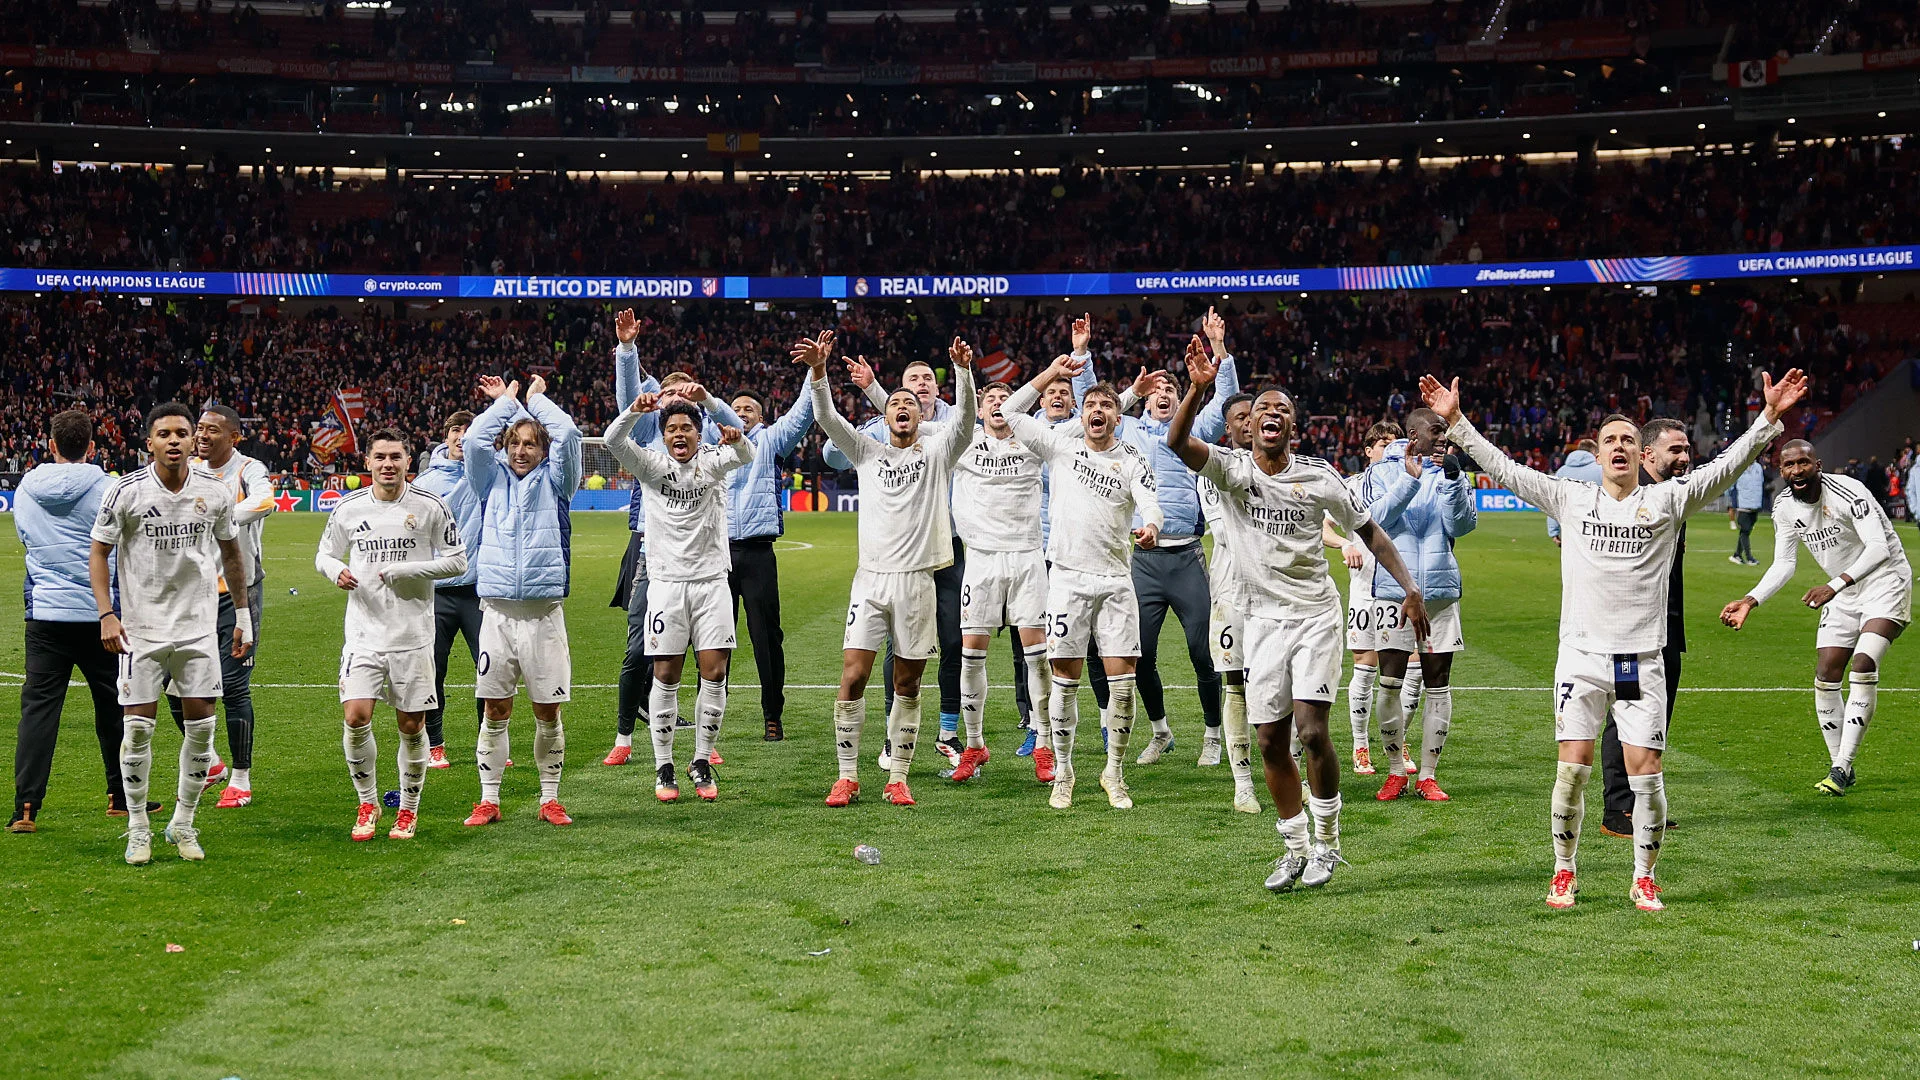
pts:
[997, 937]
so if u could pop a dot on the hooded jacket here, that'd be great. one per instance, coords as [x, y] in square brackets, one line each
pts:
[447, 478]
[1580, 465]
[53, 512]
[1424, 516]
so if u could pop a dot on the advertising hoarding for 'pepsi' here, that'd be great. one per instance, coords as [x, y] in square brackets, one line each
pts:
[1669, 268]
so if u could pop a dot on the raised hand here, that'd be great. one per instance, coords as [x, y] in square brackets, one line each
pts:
[692, 391]
[1200, 370]
[859, 372]
[813, 352]
[496, 388]
[1216, 331]
[1785, 394]
[1082, 333]
[645, 403]
[537, 386]
[729, 435]
[1413, 463]
[1444, 400]
[1064, 367]
[626, 327]
[960, 353]
[1148, 383]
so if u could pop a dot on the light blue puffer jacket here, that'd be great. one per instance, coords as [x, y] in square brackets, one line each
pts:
[53, 512]
[1424, 517]
[526, 524]
[447, 478]
[753, 491]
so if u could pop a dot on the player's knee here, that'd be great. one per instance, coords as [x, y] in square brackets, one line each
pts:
[499, 709]
[1862, 664]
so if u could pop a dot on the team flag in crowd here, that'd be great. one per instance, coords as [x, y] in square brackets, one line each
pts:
[333, 432]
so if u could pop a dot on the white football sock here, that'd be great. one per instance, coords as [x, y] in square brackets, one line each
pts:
[357, 743]
[1649, 820]
[1294, 832]
[1360, 703]
[196, 758]
[663, 710]
[1412, 685]
[1439, 723]
[1041, 716]
[136, 767]
[1863, 692]
[550, 754]
[973, 695]
[1393, 723]
[490, 755]
[1119, 719]
[1828, 706]
[1064, 703]
[413, 768]
[1160, 727]
[712, 708]
[903, 728]
[1569, 810]
[1233, 718]
[623, 738]
[241, 779]
[848, 718]
[1326, 821]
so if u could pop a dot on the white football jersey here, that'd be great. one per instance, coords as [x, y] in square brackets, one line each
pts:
[906, 523]
[1094, 496]
[1271, 526]
[1213, 509]
[1845, 530]
[686, 503]
[169, 552]
[1616, 555]
[395, 549]
[997, 494]
[251, 488]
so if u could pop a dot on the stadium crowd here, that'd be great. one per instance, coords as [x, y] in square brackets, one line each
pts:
[1811, 196]
[1559, 360]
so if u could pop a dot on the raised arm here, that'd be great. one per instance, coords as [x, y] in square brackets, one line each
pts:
[1213, 419]
[860, 373]
[813, 352]
[641, 461]
[793, 425]
[482, 461]
[564, 451]
[956, 433]
[1041, 437]
[1705, 483]
[1546, 492]
[1201, 373]
[1083, 376]
[1390, 488]
[629, 381]
[734, 450]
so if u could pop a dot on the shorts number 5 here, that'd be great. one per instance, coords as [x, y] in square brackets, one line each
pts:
[1057, 626]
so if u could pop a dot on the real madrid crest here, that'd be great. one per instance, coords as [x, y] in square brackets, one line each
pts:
[411, 523]
[1642, 515]
[199, 505]
[1296, 491]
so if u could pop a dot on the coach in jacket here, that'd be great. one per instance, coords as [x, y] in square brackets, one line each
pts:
[754, 522]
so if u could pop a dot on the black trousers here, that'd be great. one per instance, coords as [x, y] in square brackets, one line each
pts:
[54, 649]
[236, 681]
[1613, 760]
[946, 591]
[636, 667]
[1745, 519]
[456, 612]
[755, 583]
[1176, 579]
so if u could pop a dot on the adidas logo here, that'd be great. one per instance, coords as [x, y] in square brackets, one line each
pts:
[1324, 689]
[365, 526]
[431, 700]
[559, 689]
[152, 512]
[361, 775]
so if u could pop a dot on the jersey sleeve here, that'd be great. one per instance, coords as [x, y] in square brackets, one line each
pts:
[1347, 513]
[1863, 518]
[855, 447]
[225, 527]
[106, 523]
[1212, 421]
[256, 494]
[958, 429]
[786, 432]
[1146, 494]
[331, 558]
[450, 554]
[1786, 556]
[1228, 471]
[1704, 484]
[1043, 440]
[1546, 492]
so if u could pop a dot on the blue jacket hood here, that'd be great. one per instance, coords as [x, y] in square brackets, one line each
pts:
[1580, 459]
[53, 513]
